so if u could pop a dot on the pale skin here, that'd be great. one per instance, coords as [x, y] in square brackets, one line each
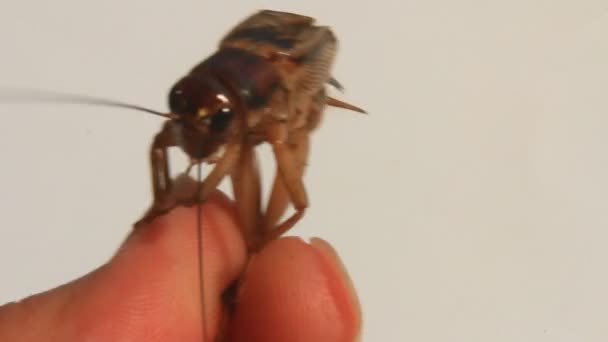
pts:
[149, 290]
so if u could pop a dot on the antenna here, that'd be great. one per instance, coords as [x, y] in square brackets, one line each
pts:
[24, 95]
[199, 238]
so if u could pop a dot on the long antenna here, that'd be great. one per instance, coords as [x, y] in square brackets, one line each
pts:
[199, 231]
[22, 95]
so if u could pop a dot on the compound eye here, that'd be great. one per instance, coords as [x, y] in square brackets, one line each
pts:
[221, 119]
[178, 102]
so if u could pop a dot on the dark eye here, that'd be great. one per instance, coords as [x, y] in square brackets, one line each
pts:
[178, 102]
[221, 119]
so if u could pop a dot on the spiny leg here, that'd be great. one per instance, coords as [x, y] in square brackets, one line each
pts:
[299, 143]
[288, 171]
[246, 186]
[279, 197]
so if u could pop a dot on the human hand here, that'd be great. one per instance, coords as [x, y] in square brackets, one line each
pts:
[291, 291]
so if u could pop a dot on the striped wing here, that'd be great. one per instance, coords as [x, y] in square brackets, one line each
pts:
[310, 49]
[278, 31]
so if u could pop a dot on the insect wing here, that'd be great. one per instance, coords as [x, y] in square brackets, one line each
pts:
[308, 50]
[273, 30]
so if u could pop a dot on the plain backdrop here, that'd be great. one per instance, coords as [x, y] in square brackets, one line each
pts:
[470, 205]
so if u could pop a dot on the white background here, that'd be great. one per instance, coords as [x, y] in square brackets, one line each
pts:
[470, 205]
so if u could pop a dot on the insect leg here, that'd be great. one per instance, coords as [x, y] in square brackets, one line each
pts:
[279, 198]
[247, 191]
[161, 177]
[223, 167]
[291, 175]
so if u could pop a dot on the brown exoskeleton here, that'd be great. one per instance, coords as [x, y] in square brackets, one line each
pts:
[266, 83]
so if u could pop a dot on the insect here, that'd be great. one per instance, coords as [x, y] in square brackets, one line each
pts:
[265, 84]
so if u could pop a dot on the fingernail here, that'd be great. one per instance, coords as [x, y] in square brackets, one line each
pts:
[332, 256]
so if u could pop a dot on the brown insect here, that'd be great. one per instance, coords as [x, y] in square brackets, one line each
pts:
[266, 83]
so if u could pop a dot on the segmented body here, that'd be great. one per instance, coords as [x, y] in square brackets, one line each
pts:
[265, 83]
[279, 63]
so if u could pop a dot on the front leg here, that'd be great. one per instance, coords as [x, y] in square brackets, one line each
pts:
[188, 191]
[223, 167]
[161, 177]
[168, 193]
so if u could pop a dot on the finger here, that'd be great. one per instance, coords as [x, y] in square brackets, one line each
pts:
[149, 290]
[294, 291]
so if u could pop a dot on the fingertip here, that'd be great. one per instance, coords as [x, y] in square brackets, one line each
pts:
[149, 290]
[169, 248]
[351, 300]
[295, 291]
